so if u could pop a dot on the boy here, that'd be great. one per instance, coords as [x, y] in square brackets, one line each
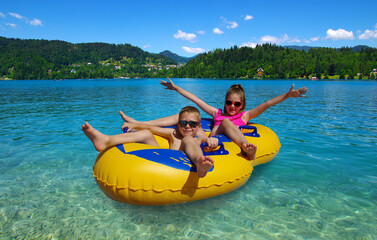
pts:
[180, 138]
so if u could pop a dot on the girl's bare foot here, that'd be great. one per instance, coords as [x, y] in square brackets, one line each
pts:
[249, 150]
[127, 118]
[205, 163]
[98, 139]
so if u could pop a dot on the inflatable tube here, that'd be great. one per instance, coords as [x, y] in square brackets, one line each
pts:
[145, 175]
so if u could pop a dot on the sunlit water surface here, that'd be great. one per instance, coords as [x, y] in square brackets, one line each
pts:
[322, 184]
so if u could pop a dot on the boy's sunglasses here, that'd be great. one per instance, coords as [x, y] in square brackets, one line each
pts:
[236, 104]
[192, 124]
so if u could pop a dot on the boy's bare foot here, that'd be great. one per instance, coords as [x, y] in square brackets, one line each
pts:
[205, 163]
[249, 150]
[127, 118]
[98, 139]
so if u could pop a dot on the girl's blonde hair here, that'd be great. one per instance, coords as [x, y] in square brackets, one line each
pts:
[236, 89]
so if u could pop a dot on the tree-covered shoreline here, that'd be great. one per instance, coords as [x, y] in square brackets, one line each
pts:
[282, 63]
[43, 59]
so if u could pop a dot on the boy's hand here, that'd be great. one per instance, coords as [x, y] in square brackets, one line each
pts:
[128, 125]
[212, 142]
[297, 93]
[169, 85]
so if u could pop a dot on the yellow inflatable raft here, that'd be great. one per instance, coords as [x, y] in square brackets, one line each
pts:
[145, 175]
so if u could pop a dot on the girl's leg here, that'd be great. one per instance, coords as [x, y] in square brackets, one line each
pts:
[194, 153]
[228, 128]
[102, 141]
[161, 122]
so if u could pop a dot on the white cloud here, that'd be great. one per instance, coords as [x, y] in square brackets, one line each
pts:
[278, 41]
[201, 32]
[273, 39]
[369, 34]
[18, 16]
[230, 24]
[193, 50]
[339, 34]
[2, 15]
[295, 40]
[36, 22]
[249, 44]
[285, 37]
[269, 39]
[314, 39]
[191, 37]
[12, 25]
[217, 31]
[146, 46]
[248, 17]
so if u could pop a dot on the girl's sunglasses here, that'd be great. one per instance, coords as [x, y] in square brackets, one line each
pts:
[192, 124]
[236, 104]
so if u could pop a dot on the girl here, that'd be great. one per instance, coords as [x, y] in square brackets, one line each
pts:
[234, 114]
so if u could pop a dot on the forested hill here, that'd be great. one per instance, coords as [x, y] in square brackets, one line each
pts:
[176, 57]
[282, 62]
[43, 59]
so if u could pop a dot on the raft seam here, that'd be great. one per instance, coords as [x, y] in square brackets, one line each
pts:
[166, 189]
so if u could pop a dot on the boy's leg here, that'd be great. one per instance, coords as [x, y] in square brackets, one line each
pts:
[194, 152]
[161, 122]
[233, 132]
[102, 141]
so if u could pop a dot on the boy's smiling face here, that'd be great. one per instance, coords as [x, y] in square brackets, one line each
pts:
[187, 130]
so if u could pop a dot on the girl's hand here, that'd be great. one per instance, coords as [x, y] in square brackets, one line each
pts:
[169, 85]
[297, 93]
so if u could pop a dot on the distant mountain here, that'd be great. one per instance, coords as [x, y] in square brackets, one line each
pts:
[175, 57]
[357, 48]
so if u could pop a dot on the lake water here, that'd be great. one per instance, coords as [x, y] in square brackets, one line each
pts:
[322, 184]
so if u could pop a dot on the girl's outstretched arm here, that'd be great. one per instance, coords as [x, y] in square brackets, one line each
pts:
[263, 107]
[161, 122]
[201, 104]
[163, 132]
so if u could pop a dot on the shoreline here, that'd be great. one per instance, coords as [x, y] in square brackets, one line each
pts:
[243, 79]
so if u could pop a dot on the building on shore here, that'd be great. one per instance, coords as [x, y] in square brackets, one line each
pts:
[260, 72]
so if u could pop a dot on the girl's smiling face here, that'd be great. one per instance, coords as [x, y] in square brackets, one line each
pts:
[232, 109]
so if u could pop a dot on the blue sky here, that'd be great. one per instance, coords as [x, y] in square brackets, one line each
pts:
[191, 27]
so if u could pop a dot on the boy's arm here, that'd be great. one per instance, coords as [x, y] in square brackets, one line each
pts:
[201, 104]
[264, 106]
[211, 141]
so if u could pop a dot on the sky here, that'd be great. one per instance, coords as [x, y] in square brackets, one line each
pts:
[190, 27]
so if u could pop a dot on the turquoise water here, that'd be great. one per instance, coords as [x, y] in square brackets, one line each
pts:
[322, 184]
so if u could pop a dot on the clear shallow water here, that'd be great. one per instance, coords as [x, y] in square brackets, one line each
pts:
[322, 184]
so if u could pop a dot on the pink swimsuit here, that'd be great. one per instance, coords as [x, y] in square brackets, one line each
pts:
[236, 119]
